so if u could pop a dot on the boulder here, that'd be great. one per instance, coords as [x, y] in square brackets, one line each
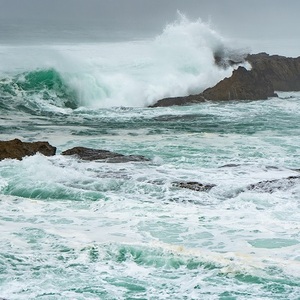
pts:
[97, 154]
[17, 149]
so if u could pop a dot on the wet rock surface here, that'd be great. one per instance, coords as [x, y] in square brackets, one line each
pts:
[108, 156]
[193, 185]
[179, 101]
[283, 72]
[271, 186]
[16, 149]
[268, 73]
[242, 85]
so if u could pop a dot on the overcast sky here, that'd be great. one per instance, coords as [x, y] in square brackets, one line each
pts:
[247, 19]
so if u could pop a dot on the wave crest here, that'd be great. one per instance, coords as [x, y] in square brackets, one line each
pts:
[186, 58]
[36, 91]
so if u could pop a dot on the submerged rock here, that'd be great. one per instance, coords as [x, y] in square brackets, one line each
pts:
[16, 149]
[271, 186]
[97, 154]
[266, 186]
[193, 185]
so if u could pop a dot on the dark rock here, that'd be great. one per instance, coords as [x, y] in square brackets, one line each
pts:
[283, 72]
[242, 85]
[271, 186]
[193, 185]
[192, 99]
[17, 149]
[230, 166]
[97, 154]
[269, 73]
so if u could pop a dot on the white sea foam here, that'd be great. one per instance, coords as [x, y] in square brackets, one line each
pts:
[73, 229]
[178, 62]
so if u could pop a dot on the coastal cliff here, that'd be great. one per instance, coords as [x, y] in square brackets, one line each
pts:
[269, 73]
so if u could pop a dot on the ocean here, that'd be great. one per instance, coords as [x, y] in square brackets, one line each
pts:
[73, 229]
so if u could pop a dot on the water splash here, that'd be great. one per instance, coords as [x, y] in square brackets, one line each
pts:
[180, 61]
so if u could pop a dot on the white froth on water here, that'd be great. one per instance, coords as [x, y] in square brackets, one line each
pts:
[73, 229]
[178, 62]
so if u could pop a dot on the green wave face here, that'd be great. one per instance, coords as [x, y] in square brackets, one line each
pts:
[36, 90]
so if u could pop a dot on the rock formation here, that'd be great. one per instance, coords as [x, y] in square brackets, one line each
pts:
[97, 154]
[283, 72]
[271, 186]
[193, 185]
[269, 73]
[242, 85]
[179, 101]
[17, 149]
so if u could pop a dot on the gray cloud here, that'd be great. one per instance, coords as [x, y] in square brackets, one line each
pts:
[233, 18]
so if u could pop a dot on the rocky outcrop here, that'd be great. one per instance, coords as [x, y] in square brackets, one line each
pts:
[193, 185]
[97, 154]
[17, 149]
[271, 186]
[266, 186]
[192, 99]
[242, 85]
[269, 73]
[283, 72]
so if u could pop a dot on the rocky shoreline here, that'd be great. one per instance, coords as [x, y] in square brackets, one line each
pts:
[268, 73]
[16, 149]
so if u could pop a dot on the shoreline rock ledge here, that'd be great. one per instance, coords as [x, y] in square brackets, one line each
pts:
[269, 73]
[16, 149]
[104, 155]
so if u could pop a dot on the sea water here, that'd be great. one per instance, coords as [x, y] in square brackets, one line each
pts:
[73, 229]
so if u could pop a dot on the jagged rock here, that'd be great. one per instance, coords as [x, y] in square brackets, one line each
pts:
[17, 149]
[97, 154]
[242, 85]
[283, 72]
[192, 99]
[269, 73]
[193, 185]
[270, 186]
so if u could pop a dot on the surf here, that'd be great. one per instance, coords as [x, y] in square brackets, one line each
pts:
[178, 62]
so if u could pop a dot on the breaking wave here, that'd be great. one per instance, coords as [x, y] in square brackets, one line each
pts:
[180, 61]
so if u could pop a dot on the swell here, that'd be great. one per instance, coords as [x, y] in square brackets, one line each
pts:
[36, 91]
[186, 58]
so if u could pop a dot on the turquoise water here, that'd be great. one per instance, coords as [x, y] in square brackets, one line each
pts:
[74, 229]
[94, 230]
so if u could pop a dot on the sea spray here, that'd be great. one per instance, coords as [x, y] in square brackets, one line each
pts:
[180, 61]
[73, 229]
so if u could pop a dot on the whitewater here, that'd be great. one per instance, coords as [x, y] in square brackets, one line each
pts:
[73, 229]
